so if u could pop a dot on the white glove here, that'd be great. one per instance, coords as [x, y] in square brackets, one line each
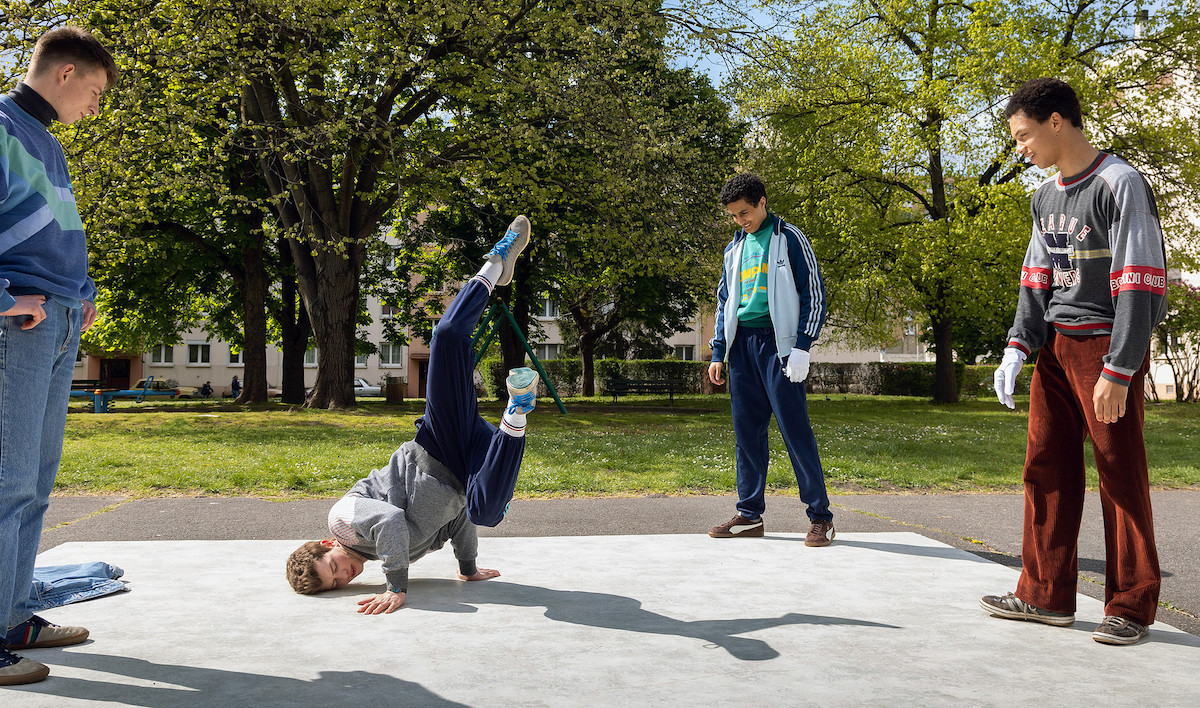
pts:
[1005, 378]
[797, 365]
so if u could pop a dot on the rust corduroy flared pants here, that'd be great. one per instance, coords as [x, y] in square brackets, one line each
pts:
[1061, 418]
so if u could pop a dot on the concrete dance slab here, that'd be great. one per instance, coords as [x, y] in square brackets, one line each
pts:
[684, 620]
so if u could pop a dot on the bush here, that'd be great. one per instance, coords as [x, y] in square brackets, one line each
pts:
[881, 378]
[977, 381]
[565, 374]
[692, 372]
[826, 377]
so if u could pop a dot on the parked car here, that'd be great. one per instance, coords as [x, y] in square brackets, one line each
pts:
[362, 388]
[167, 385]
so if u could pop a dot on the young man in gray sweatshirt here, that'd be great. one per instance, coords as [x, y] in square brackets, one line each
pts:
[457, 472]
[1093, 287]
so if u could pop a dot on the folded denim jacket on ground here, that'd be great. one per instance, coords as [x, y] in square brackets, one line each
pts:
[57, 585]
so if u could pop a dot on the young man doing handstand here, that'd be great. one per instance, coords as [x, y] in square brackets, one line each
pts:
[458, 471]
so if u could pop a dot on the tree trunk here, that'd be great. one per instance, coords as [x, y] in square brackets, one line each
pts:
[587, 353]
[945, 387]
[294, 328]
[254, 297]
[512, 348]
[331, 298]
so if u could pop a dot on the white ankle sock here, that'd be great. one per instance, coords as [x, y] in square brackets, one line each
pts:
[490, 272]
[513, 424]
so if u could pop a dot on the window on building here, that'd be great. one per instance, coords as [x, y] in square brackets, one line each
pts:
[546, 352]
[310, 356]
[391, 354]
[162, 354]
[548, 309]
[235, 357]
[685, 352]
[388, 311]
[199, 354]
[360, 361]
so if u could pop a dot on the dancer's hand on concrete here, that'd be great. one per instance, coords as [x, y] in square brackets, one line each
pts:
[385, 602]
[1109, 400]
[481, 574]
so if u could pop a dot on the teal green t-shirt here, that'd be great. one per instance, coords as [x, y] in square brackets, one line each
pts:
[753, 311]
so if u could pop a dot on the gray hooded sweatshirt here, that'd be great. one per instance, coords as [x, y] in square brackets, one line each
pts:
[397, 514]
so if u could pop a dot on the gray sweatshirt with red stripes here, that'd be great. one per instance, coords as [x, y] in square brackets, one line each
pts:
[1096, 264]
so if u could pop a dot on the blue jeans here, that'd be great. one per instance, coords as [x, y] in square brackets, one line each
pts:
[36, 367]
[757, 387]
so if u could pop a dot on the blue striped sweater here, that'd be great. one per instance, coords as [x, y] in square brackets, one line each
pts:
[42, 244]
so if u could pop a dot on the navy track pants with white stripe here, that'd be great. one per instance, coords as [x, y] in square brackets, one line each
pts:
[758, 386]
[484, 459]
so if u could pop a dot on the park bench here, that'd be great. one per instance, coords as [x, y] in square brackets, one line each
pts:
[102, 397]
[85, 384]
[617, 386]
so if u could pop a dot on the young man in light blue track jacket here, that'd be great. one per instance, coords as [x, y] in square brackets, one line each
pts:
[764, 329]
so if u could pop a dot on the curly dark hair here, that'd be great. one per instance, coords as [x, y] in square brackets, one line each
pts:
[746, 186]
[302, 567]
[1038, 98]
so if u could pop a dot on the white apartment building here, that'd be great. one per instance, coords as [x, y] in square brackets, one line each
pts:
[201, 358]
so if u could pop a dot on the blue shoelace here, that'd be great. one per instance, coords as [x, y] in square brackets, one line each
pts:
[522, 403]
[501, 248]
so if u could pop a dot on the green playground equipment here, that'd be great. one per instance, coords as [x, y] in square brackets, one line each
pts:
[491, 324]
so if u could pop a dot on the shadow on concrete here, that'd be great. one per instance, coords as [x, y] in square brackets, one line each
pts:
[939, 551]
[594, 609]
[189, 686]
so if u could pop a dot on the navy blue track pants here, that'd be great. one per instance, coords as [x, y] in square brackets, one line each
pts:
[484, 459]
[759, 387]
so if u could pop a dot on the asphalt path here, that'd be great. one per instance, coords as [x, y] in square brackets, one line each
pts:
[988, 525]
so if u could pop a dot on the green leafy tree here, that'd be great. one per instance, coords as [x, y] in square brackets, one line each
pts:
[878, 129]
[348, 110]
[617, 159]
[1178, 339]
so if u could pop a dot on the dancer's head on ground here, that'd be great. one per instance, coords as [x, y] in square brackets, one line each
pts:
[317, 566]
[745, 198]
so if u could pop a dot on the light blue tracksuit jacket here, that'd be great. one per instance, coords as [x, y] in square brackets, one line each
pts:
[795, 291]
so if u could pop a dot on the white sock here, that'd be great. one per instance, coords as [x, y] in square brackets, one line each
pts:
[513, 424]
[490, 272]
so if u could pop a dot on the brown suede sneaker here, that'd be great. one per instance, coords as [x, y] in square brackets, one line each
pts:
[17, 670]
[738, 526]
[821, 534]
[36, 633]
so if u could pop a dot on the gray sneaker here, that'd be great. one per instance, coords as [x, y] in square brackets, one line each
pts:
[509, 247]
[1118, 630]
[1012, 607]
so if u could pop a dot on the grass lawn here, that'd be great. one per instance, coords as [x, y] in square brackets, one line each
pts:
[639, 446]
